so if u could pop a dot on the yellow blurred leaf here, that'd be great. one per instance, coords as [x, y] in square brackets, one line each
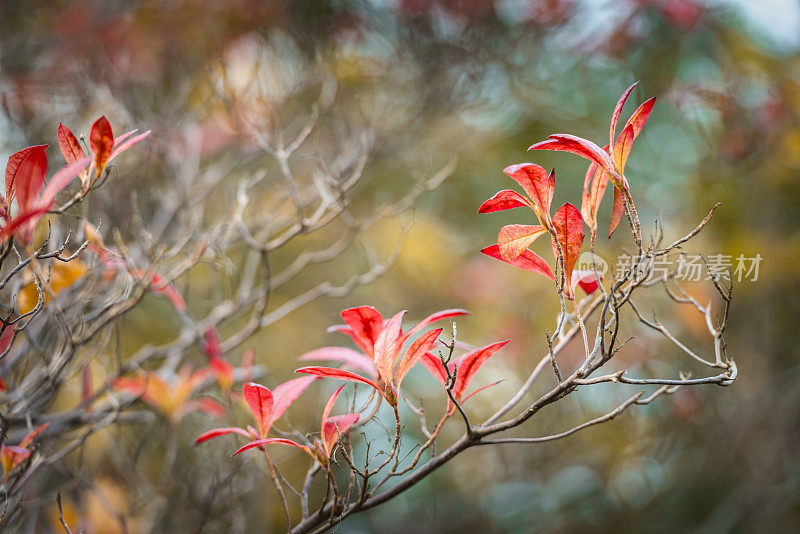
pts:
[61, 276]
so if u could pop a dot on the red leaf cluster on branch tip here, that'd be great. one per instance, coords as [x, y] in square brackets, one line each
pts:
[26, 171]
[381, 342]
[566, 226]
[330, 430]
[607, 163]
[266, 406]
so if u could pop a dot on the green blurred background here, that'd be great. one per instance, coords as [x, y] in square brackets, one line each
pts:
[478, 81]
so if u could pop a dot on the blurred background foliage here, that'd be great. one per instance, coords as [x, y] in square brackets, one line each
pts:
[475, 81]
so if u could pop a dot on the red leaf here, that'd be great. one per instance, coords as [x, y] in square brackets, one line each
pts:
[329, 405]
[280, 441]
[101, 141]
[569, 231]
[618, 111]
[216, 432]
[538, 185]
[434, 365]
[504, 200]
[528, 261]
[432, 318]
[334, 427]
[594, 188]
[120, 147]
[69, 145]
[260, 401]
[365, 325]
[640, 116]
[25, 174]
[339, 374]
[422, 345]
[576, 145]
[487, 386]
[206, 405]
[513, 239]
[617, 211]
[349, 357]
[59, 181]
[469, 364]
[288, 392]
[387, 346]
[27, 440]
[11, 227]
[622, 148]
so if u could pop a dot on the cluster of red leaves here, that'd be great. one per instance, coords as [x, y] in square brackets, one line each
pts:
[26, 171]
[566, 226]
[381, 341]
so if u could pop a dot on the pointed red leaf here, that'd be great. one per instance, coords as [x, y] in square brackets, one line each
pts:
[288, 392]
[260, 400]
[640, 116]
[339, 374]
[216, 432]
[593, 190]
[120, 147]
[504, 200]
[576, 145]
[25, 174]
[27, 440]
[617, 211]
[420, 346]
[387, 346]
[618, 111]
[622, 148]
[513, 239]
[101, 141]
[569, 231]
[280, 441]
[365, 325]
[69, 145]
[487, 386]
[432, 318]
[434, 365]
[528, 261]
[334, 427]
[23, 219]
[469, 364]
[349, 357]
[538, 185]
[59, 181]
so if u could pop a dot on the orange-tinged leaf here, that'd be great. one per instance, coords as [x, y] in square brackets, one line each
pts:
[420, 346]
[216, 432]
[101, 141]
[504, 200]
[617, 211]
[618, 111]
[349, 357]
[538, 185]
[640, 116]
[569, 232]
[63, 275]
[513, 239]
[27, 440]
[622, 148]
[528, 261]
[260, 400]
